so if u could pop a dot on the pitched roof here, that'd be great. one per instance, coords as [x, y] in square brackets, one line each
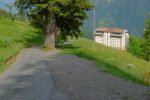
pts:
[110, 30]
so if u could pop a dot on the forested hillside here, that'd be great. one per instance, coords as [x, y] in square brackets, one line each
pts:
[128, 14]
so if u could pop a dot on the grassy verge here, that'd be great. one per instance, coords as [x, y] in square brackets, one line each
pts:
[14, 36]
[110, 60]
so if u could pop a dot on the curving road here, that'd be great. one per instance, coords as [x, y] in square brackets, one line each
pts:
[38, 75]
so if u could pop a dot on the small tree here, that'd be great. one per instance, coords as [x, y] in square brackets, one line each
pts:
[4, 13]
[134, 46]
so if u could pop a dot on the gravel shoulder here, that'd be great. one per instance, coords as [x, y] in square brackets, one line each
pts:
[39, 75]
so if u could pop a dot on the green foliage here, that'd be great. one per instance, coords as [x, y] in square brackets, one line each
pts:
[59, 39]
[14, 36]
[81, 34]
[4, 14]
[72, 16]
[68, 14]
[134, 46]
[20, 15]
[146, 40]
[116, 62]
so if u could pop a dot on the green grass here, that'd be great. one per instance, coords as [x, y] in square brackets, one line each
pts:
[14, 36]
[113, 61]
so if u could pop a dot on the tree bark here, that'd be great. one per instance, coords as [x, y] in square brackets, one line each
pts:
[49, 31]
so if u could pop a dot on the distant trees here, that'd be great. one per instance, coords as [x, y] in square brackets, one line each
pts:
[2, 12]
[8, 12]
[5, 14]
[53, 15]
[10, 9]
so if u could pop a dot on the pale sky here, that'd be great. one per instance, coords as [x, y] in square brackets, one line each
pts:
[4, 2]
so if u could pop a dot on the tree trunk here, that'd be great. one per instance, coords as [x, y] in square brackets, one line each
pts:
[49, 31]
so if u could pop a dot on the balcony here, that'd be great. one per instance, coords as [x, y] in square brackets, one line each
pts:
[115, 35]
[97, 34]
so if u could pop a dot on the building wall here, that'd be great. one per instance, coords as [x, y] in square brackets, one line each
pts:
[116, 40]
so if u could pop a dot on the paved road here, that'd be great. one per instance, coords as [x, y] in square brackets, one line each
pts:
[38, 75]
[28, 78]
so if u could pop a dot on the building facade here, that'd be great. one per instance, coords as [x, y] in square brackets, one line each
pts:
[112, 37]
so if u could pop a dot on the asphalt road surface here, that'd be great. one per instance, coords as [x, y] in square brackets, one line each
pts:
[39, 75]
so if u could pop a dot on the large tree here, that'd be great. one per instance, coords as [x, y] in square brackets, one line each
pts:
[146, 40]
[66, 15]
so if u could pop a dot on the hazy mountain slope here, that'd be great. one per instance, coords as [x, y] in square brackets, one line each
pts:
[128, 14]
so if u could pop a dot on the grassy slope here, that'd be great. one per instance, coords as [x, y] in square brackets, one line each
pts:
[13, 37]
[116, 62]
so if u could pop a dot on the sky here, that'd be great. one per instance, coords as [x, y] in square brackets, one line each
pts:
[3, 3]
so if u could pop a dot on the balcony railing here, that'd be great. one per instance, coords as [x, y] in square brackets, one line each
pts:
[116, 35]
[99, 34]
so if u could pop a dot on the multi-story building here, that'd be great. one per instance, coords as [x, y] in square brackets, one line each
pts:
[113, 37]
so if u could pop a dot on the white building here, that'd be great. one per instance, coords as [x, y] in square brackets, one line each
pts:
[113, 37]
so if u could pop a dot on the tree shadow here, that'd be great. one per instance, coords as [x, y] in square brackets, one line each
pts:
[70, 46]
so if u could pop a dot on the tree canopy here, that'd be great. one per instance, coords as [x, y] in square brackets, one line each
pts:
[134, 46]
[67, 15]
[146, 40]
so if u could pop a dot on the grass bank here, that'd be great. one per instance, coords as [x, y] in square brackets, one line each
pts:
[110, 60]
[14, 36]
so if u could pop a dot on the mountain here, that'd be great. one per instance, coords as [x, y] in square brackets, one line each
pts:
[127, 14]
